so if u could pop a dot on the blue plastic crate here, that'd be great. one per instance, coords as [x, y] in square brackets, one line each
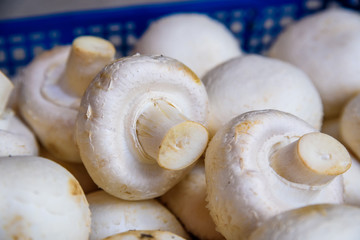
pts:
[255, 23]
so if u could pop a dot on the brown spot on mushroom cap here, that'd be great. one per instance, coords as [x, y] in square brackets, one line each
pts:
[312, 209]
[74, 187]
[245, 126]
[188, 71]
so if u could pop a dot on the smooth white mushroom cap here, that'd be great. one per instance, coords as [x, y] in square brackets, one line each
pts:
[352, 184]
[244, 189]
[325, 221]
[106, 128]
[51, 88]
[326, 46]
[349, 125]
[254, 82]
[111, 215]
[143, 235]
[15, 137]
[187, 200]
[39, 199]
[198, 41]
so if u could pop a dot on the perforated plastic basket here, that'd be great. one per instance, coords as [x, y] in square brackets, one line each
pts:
[254, 22]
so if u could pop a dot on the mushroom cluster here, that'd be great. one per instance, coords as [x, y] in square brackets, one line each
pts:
[187, 136]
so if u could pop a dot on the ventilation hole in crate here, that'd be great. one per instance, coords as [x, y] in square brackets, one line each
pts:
[37, 50]
[2, 56]
[18, 54]
[236, 27]
[115, 27]
[54, 34]
[313, 4]
[37, 36]
[284, 21]
[5, 71]
[116, 40]
[130, 25]
[266, 39]
[79, 31]
[237, 14]
[269, 23]
[130, 40]
[16, 39]
[95, 29]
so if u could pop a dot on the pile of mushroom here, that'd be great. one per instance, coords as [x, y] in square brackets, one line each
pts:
[140, 128]
[51, 87]
[15, 137]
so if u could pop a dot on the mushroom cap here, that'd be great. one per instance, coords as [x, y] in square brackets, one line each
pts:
[52, 120]
[187, 200]
[254, 82]
[326, 46]
[106, 124]
[351, 183]
[76, 169]
[39, 199]
[111, 215]
[323, 221]
[197, 40]
[237, 168]
[15, 137]
[349, 125]
[143, 235]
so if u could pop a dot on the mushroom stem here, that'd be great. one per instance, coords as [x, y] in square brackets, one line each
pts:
[87, 57]
[6, 87]
[314, 159]
[169, 137]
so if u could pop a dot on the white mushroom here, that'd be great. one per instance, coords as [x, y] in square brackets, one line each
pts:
[51, 88]
[324, 221]
[187, 200]
[349, 125]
[197, 40]
[326, 46]
[15, 137]
[140, 126]
[254, 82]
[39, 199]
[111, 215]
[265, 162]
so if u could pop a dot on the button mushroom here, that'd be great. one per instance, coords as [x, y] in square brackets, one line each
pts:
[39, 199]
[323, 221]
[326, 46]
[141, 124]
[254, 82]
[187, 200]
[144, 235]
[111, 215]
[51, 88]
[15, 137]
[197, 40]
[264, 162]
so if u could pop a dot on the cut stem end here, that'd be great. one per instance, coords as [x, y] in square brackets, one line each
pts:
[315, 159]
